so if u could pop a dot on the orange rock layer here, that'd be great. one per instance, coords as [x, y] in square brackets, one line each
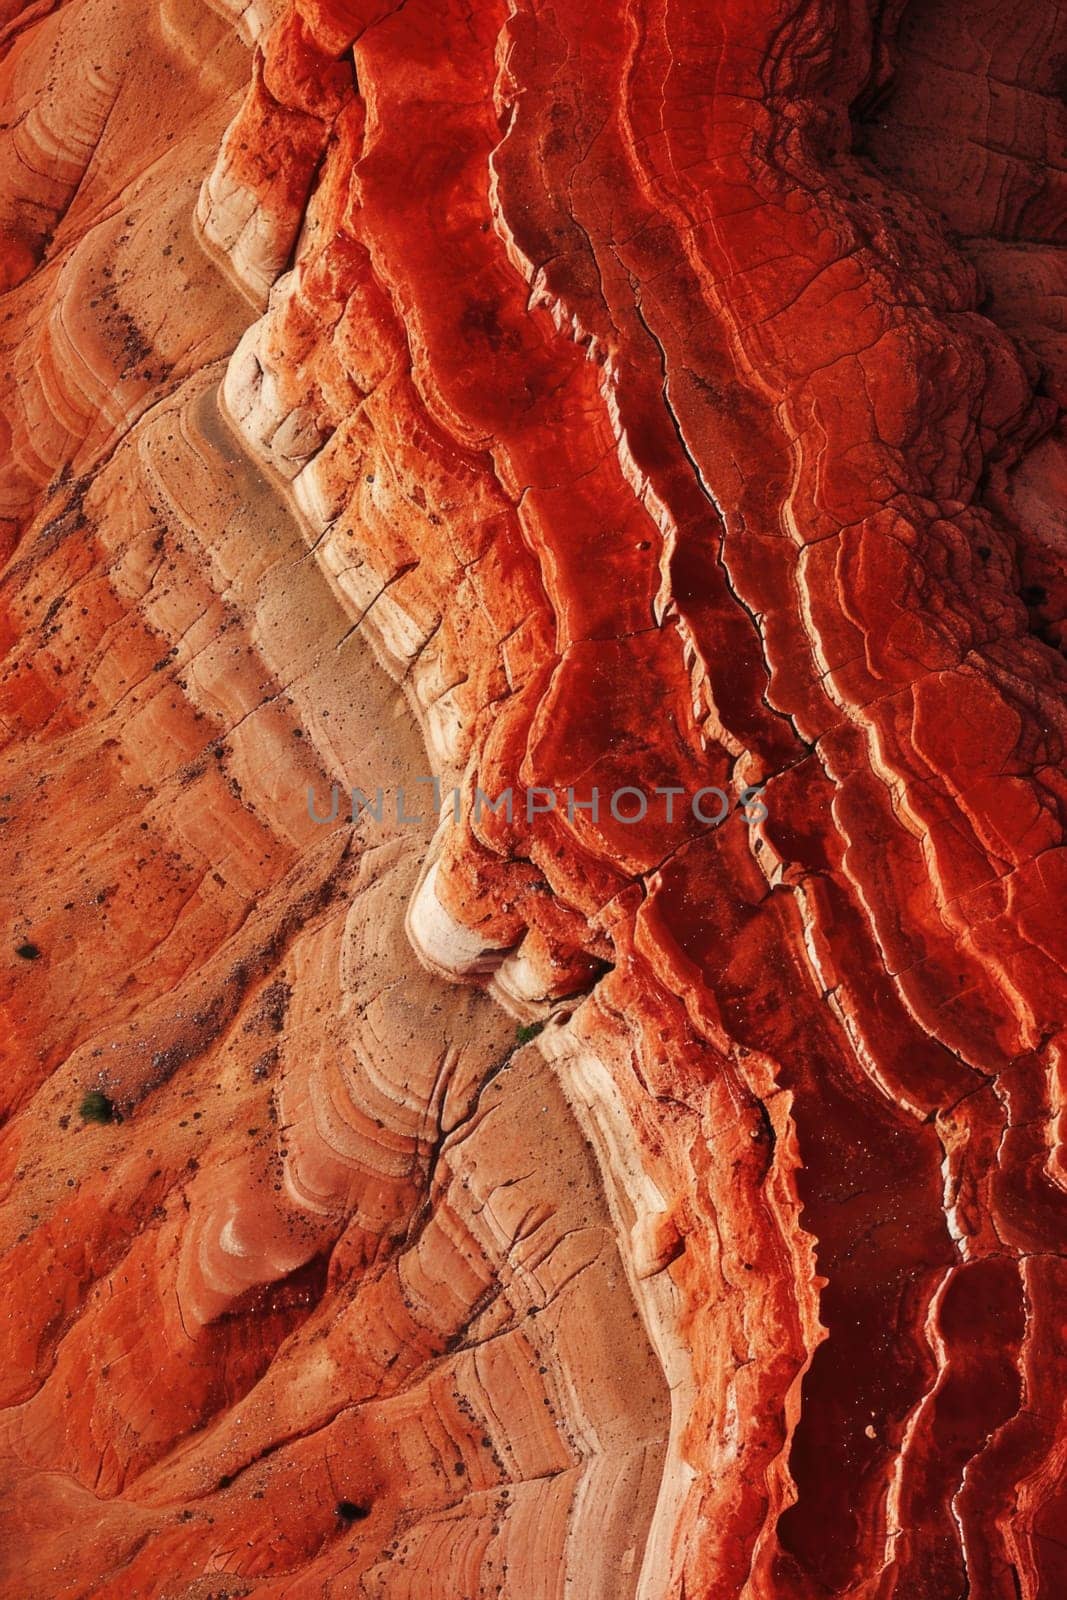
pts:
[666, 396]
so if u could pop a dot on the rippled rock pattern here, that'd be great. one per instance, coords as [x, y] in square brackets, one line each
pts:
[542, 396]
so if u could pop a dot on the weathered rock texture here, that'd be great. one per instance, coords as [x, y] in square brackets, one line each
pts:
[665, 395]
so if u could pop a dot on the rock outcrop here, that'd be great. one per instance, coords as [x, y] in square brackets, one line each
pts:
[550, 1184]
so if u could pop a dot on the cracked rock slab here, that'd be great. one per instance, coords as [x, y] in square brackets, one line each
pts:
[539, 398]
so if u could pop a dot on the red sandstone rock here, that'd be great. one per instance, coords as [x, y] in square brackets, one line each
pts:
[662, 397]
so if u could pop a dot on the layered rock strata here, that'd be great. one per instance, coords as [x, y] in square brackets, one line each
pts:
[666, 397]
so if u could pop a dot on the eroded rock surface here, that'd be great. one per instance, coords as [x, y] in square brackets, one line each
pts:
[541, 397]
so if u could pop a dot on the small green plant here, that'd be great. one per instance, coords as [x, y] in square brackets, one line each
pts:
[527, 1031]
[28, 952]
[96, 1107]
